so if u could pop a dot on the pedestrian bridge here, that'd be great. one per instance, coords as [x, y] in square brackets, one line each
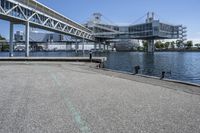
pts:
[40, 16]
[34, 14]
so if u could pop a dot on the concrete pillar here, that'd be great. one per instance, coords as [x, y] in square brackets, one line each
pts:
[76, 46]
[95, 46]
[70, 46]
[99, 46]
[27, 39]
[11, 39]
[83, 46]
[107, 47]
[66, 48]
[104, 47]
[151, 46]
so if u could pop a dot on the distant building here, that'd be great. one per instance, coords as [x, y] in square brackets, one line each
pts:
[19, 36]
[40, 37]
[42, 41]
[150, 30]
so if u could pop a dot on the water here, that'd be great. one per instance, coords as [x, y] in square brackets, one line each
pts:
[184, 66]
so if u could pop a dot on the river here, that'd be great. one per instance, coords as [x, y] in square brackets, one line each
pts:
[184, 66]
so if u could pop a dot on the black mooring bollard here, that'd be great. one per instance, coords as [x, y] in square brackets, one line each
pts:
[137, 68]
[90, 56]
[162, 75]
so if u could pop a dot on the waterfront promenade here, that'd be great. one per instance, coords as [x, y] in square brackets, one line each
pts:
[73, 97]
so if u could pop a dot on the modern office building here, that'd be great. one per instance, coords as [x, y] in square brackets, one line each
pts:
[150, 31]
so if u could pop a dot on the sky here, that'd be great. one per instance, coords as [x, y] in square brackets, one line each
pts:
[186, 12]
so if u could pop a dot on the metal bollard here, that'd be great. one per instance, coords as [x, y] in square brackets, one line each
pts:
[90, 56]
[137, 68]
[162, 75]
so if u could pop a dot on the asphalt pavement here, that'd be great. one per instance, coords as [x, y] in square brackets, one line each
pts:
[47, 97]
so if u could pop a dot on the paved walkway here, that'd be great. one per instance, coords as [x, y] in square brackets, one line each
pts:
[72, 98]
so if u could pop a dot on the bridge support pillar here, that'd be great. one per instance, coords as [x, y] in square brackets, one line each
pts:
[11, 39]
[151, 46]
[27, 39]
[83, 46]
[66, 48]
[95, 46]
[99, 46]
[70, 46]
[76, 46]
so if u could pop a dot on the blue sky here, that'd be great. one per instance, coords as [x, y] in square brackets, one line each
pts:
[186, 12]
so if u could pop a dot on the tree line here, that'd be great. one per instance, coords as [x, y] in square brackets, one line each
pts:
[172, 45]
[4, 46]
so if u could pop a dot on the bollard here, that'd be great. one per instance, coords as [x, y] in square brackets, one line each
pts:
[162, 75]
[90, 56]
[100, 65]
[137, 68]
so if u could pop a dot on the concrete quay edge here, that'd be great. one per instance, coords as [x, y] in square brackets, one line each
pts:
[56, 59]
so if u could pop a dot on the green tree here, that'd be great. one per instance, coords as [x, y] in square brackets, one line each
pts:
[197, 45]
[2, 38]
[158, 44]
[172, 44]
[5, 47]
[166, 45]
[162, 45]
[139, 48]
[189, 44]
[3, 44]
[145, 45]
[178, 43]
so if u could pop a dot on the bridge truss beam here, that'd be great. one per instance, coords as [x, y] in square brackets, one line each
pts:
[14, 11]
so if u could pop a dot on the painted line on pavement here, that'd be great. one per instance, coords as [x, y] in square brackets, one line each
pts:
[76, 115]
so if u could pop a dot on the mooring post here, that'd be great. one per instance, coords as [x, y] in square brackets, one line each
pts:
[90, 55]
[137, 68]
[162, 75]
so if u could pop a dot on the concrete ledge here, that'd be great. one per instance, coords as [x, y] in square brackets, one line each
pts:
[55, 59]
[150, 80]
[154, 77]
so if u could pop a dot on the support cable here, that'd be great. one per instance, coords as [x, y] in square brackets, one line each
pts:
[110, 21]
[137, 20]
[161, 18]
